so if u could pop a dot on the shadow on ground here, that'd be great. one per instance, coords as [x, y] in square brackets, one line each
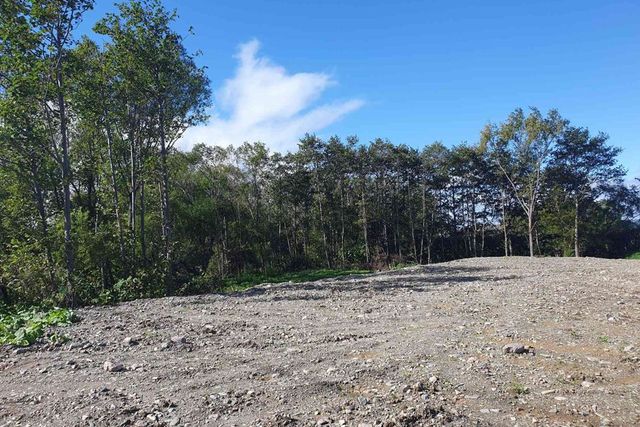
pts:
[417, 279]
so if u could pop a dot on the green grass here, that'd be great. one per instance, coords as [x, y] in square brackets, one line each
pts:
[634, 256]
[22, 327]
[246, 281]
[519, 389]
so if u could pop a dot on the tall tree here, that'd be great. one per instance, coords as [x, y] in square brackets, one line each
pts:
[585, 167]
[174, 89]
[521, 148]
[43, 29]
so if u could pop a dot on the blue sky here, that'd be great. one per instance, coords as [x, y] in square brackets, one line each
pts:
[412, 71]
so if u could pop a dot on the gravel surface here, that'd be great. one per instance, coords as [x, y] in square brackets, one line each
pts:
[491, 341]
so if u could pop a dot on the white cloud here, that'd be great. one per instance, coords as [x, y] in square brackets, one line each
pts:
[263, 102]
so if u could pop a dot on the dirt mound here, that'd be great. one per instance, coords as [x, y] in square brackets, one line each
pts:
[472, 342]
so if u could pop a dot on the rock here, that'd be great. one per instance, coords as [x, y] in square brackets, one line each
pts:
[209, 329]
[20, 350]
[363, 400]
[178, 339]
[75, 345]
[517, 348]
[323, 421]
[130, 341]
[111, 366]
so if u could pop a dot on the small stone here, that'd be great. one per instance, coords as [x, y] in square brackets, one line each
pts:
[209, 329]
[587, 384]
[75, 345]
[111, 366]
[323, 421]
[178, 339]
[20, 350]
[517, 348]
[130, 341]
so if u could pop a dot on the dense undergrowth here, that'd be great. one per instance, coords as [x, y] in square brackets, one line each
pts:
[634, 256]
[24, 326]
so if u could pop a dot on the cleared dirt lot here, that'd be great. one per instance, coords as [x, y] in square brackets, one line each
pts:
[419, 346]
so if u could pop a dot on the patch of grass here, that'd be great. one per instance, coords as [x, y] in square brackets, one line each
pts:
[519, 389]
[245, 281]
[604, 339]
[22, 327]
[634, 256]
[401, 265]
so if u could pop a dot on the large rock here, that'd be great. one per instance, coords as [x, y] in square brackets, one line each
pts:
[517, 348]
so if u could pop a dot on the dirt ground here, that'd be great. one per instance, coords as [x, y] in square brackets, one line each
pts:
[419, 346]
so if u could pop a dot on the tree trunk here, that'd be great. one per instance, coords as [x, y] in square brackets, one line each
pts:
[530, 218]
[164, 201]
[324, 234]
[576, 235]
[143, 239]
[114, 187]
[364, 226]
[424, 223]
[132, 198]
[45, 230]
[66, 173]
[342, 226]
[504, 227]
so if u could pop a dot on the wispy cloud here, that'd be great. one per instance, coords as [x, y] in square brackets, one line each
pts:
[263, 102]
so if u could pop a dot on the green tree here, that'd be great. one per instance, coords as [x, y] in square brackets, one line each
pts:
[174, 90]
[521, 148]
[585, 167]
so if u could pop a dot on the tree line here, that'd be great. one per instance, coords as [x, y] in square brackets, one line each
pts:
[97, 205]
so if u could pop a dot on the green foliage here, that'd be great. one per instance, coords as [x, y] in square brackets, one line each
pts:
[97, 206]
[519, 389]
[23, 327]
[634, 256]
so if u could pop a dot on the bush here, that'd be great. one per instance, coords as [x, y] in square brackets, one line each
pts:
[23, 327]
